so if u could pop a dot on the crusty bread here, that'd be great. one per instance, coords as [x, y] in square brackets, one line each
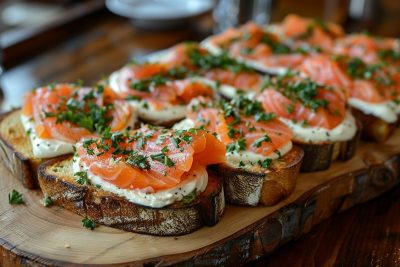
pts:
[256, 186]
[374, 129]
[16, 149]
[57, 180]
[319, 156]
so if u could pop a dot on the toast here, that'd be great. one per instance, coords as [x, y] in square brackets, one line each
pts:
[57, 180]
[374, 129]
[16, 149]
[319, 156]
[256, 186]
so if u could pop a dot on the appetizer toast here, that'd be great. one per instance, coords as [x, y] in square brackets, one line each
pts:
[57, 181]
[262, 165]
[52, 120]
[150, 180]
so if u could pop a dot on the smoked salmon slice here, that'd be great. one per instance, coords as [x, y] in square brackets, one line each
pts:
[150, 158]
[303, 101]
[159, 84]
[241, 124]
[68, 112]
[220, 68]
[252, 42]
[324, 70]
[368, 48]
[372, 83]
[312, 32]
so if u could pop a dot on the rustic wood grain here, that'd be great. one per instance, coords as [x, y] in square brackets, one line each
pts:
[345, 240]
[53, 236]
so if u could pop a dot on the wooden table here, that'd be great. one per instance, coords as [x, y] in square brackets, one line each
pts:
[367, 235]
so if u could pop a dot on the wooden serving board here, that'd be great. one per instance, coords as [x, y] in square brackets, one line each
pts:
[34, 235]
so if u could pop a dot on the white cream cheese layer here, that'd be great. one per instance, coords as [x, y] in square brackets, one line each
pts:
[197, 181]
[45, 148]
[238, 159]
[343, 132]
[49, 148]
[386, 111]
[147, 111]
[249, 158]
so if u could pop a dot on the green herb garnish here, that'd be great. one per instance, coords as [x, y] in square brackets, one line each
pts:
[239, 145]
[15, 198]
[47, 202]
[259, 141]
[139, 161]
[186, 200]
[163, 158]
[88, 223]
[82, 178]
[265, 163]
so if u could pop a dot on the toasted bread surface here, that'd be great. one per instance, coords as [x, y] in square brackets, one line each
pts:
[57, 180]
[258, 186]
[16, 149]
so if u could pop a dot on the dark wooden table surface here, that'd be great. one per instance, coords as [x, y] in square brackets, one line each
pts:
[367, 235]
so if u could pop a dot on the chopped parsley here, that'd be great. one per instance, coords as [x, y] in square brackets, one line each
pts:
[86, 113]
[266, 163]
[358, 69]
[82, 178]
[259, 141]
[186, 200]
[145, 84]
[88, 223]
[276, 46]
[47, 202]
[139, 161]
[163, 158]
[223, 61]
[15, 198]
[304, 90]
[389, 55]
[237, 146]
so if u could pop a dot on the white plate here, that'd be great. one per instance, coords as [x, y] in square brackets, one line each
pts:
[157, 12]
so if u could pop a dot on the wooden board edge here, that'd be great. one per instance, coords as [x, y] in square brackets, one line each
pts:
[265, 235]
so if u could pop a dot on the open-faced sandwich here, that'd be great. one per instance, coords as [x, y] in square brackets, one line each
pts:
[371, 90]
[262, 49]
[261, 164]
[317, 116]
[226, 73]
[274, 49]
[52, 120]
[158, 91]
[301, 32]
[374, 96]
[152, 180]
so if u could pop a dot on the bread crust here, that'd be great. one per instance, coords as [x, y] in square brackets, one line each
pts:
[374, 129]
[319, 156]
[57, 181]
[16, 149]
[256, 186]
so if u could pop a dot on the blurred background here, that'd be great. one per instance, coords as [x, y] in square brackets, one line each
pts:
[65, 40]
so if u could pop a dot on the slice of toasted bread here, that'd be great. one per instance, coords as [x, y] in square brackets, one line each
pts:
[257, 186]
[16, 149]
[57, 180]
[374, 128]
[319, 156]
